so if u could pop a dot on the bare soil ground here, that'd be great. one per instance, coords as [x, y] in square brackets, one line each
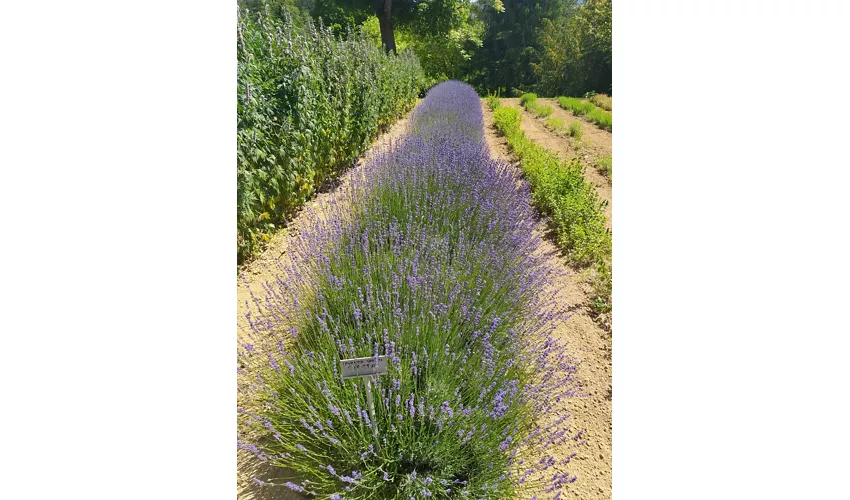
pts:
[536, 131]
[590, 344]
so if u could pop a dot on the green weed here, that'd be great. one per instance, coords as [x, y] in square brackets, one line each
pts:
[529, 102]
[556, 125]
[575, 130]
[526, 98]
[604, 165]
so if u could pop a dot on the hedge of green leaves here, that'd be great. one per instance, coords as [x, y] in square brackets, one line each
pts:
[308, 103]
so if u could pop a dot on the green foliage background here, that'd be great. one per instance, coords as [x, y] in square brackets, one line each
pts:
[552, 47]
[308, 103]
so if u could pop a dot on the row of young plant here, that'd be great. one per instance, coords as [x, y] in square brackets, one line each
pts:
[602, 118]
[308, 103]
[529, 102]
[428, 257]
[604, 101]
[556, 125]
[572, 205]
[577, 106]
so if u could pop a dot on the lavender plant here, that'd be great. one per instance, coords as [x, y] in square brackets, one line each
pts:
[428, 257]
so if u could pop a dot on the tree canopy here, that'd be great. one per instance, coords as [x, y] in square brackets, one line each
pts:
[506, 46]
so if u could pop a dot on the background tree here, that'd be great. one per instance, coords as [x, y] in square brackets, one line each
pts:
[552, 47]
[575, 50]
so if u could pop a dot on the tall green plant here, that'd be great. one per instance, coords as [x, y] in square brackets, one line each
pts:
[308, 103]
[575, 49]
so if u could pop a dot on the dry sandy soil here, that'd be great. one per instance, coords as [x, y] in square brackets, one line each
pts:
[592, 143]
[588, 342]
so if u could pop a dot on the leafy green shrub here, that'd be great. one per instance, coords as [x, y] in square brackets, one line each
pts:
[526, 98]
[560, 192]
[507, 121]
[308, 103]
[575, 130]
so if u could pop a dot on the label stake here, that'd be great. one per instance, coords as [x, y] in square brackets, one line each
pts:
[365, 368]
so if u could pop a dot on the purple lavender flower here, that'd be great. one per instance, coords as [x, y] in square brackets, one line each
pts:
[443, 251]
[294, 487]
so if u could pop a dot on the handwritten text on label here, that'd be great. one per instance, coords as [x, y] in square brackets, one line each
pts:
[363, 367]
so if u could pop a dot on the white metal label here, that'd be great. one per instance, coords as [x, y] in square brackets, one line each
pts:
[363, 367]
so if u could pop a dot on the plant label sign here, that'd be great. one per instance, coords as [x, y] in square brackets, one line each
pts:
[363, 367]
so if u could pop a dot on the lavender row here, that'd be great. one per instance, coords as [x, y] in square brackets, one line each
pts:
[429, 257]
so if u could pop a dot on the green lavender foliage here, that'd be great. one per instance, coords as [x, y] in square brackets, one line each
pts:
[539, 110]
[430, 260]
[576, 105]
[308, 103]
[527, 98]
[529, 101]
[575, 130]
[602, 118]
[556, 125]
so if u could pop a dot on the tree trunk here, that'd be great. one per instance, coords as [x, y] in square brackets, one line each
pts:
[383, 9]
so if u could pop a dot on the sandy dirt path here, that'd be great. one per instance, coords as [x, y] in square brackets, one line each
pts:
[536, 131]
[590, 344]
